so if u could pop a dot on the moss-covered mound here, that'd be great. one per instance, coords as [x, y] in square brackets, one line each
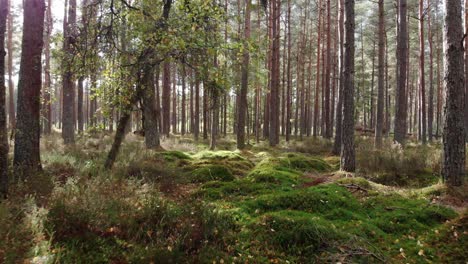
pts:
[234, 162]
[212, 172]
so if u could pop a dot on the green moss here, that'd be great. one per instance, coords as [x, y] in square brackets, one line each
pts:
[296, 232]
[359, 181]
[238, 188]
[212, 172]
[319, 199]
[270, 170]
[174, 155]
[304, 163]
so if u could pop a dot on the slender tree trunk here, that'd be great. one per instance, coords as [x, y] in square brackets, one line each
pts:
[348, 161]
[275, 74]
[166, 98]
[27, 153]
[183, 113]
[149, 110]
[328, 125]
[401, 101]
[244, 80]
[3, 117]
[422, 81]
[317, 68]
[453, 169]
[47, 104]
[174, 100]
[289, 77]
[339, 108]
[380, 78]
[11, 92]
[197, 107]
[430, 113]
[80, 104]
[68, 122]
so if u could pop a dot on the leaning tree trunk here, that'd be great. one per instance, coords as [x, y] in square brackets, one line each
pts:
[27, 156]
[3, 118]
[453, 169]
[402, 60]
[380, 82]
[348, 161]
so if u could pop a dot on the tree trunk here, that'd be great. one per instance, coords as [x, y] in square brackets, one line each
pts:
[166, 98]
[289, 77]
[466, 70]
[68, 120]
[27, 153]
[183, 114]
[421, 72]
[453, 169]
[348, 161]
[3, 117]
[244, 80]
[402, 59]
[47, 102]
[317, 68]
[149, 110]
[328, 126]
[11, 92]
[430, 112]
[80, 104]
[380, 78]
[339, 108]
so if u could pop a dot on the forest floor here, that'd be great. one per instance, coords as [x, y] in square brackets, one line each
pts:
[289, 204]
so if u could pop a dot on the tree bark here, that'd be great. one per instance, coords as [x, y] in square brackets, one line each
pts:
[166, 98]
[402, 59]
[47, 105]
[339, 108]
[453, 170]
[3, 117]
[149, 110]
[317, 75]
[430, 112]
[68, 106]
[27, 153]
[348, 161]
[422, 81]
[380, 78]
[11, 92]
[244, 80]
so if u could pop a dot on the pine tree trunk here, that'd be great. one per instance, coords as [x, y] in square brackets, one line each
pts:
[11, 92]
[328, 126]
[244, 80]
[3, 117]
[402, 59]
[339, 108]
[166, 98]
[47, 102]
[348, 161]
[183, 110]
[453, 169]
[149, 110]
[430, 110]
[289, 77]
[68, 115]
[422, 81]
[27, 153]
[317, 68]
[466, 70]
[380, 78]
